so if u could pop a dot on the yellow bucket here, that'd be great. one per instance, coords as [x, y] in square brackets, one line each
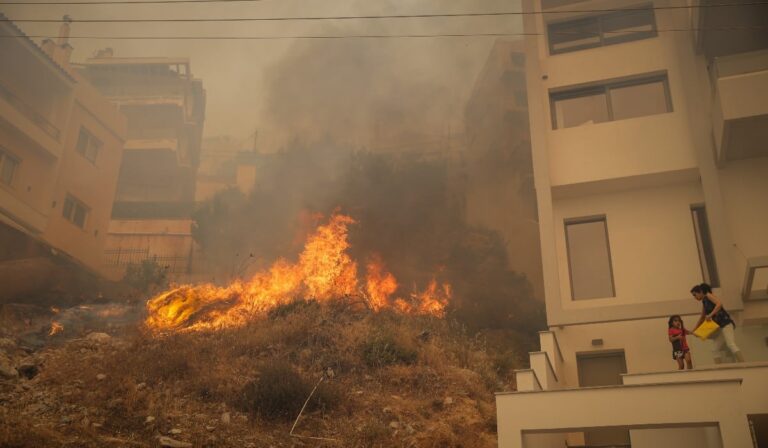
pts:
[706, 329]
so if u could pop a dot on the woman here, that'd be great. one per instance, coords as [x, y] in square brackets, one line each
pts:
[712, 309]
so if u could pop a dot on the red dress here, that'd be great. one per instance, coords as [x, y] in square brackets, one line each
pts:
[680, 346]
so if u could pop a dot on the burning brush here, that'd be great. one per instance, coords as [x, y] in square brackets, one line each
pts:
[324, 272]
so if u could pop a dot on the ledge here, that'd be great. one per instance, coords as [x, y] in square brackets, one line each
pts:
[624, 386]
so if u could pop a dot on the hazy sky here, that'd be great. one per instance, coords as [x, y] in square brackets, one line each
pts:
[263, 84]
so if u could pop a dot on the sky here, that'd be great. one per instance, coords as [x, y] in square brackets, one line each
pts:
[284, 88]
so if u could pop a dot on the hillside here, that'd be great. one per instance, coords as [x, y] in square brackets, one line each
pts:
[388, 379]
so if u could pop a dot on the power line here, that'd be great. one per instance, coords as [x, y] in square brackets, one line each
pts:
[394, 16]
[367, 36]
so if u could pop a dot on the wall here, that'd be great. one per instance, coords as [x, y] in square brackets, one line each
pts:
[652, 243]
[93, 183]
[744, 185]
[646, 345]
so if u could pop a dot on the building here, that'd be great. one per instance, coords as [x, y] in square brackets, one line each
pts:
[498, 159]
[165, 108]
[649, 128]
[61, 144]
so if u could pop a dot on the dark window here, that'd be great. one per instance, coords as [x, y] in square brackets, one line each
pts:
[8, 166]
[606, 29]
[610, 101]
[589, 258]
[75, 211]
[704, 244]
[88, 145]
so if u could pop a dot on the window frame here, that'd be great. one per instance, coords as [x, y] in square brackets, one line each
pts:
[90, 139]
[6, 155]
[599, 20]
[704, 245]
[605, 88]
[75, 204]
[588, 220]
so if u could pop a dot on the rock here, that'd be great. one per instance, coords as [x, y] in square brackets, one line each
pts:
[101, 377]
[6, 368]
[226, 418]
[394, 425]
[97, 425]
[66, 420]
[141, 386]
[173, 443]
[175, 431]
[448, 401]
[98, 338]
[387, 410]
[330, 373]
[149, 419]
[210, 428]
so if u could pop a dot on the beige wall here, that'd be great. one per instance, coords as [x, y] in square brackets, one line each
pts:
[652, 243]
[744, 186]
[93, 183]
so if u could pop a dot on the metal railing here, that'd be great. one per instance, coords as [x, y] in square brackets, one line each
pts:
[29, 112]
[123, 257]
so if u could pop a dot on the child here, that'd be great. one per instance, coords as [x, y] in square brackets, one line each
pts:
[680, 348]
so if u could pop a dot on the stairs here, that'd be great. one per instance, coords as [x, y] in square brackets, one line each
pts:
[546, 368]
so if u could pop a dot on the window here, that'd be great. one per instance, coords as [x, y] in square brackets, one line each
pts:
[513, 78]
[598, 31]
[610, 101]
[88, 145]
[589, 258]
[75, 211]
[704, 244]
[8, 166]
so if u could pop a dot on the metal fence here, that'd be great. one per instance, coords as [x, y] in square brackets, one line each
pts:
[122, 257]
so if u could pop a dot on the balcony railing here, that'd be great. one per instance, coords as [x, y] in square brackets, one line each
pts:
[124, 257]
[29, 112]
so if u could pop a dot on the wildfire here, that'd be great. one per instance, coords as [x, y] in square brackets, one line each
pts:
[324, 272]
[55, 328]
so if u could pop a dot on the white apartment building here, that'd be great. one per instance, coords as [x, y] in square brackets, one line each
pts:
[649, 129]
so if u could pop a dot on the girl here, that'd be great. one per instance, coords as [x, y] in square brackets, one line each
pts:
[680, 348]
[712, 309]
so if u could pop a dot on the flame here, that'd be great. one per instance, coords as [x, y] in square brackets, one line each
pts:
[55, 328]
[324, 272]
[379, 284]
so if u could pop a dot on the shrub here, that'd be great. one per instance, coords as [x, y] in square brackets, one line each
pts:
[280, 392]
[386, 348]
[145, 275]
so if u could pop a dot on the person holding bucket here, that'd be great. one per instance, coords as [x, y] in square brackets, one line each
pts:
[712, 311]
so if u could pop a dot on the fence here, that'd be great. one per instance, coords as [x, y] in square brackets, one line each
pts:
[122, 257]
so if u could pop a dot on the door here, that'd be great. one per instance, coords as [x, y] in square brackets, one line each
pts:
[603, 369]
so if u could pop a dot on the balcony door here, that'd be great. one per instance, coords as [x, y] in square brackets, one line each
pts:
[603, 369]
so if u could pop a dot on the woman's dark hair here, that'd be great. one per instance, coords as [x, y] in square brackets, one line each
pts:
[672, 319]
[703, 288]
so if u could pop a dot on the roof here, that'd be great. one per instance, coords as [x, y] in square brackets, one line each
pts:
[16, 31]
[135, 61]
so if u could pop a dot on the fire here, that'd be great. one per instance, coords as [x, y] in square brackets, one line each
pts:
[55, 328]
[325, 271]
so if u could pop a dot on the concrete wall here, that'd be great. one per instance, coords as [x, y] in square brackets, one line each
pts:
[93, 183]
[652, 242]
[646, 346]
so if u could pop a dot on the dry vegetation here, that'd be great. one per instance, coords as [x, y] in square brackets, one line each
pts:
[388, 380]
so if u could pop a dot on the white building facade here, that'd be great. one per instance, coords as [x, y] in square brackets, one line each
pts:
[649, 128]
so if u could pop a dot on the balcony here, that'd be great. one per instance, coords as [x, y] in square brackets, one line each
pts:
[25, 119]
[740, 112]
[736, 28]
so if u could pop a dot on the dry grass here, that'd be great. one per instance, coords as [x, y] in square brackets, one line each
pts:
[427, 378]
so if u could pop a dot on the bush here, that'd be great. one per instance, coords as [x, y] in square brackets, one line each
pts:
[280, 392]
[145, 275]
[386, 348]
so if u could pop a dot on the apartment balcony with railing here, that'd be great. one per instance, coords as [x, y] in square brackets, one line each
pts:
[740, 105]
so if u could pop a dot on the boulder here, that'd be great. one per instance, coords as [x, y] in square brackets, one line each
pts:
[173, 443]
